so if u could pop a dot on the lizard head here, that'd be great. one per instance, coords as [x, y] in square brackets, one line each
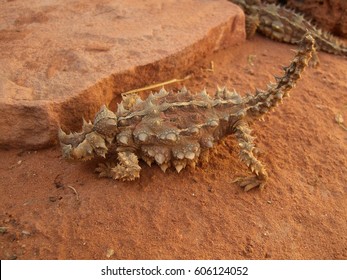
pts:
[92, 140]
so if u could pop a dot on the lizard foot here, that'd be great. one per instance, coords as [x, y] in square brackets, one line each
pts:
[314, 61]
[127, 169]
[248, 183]
[105, 169]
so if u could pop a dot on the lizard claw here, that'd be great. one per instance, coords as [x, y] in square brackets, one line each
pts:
[248, 183]
[105, 169]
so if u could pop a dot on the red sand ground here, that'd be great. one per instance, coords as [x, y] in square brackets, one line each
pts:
[201, 213]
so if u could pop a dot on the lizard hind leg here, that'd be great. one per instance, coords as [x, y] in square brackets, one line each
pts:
[252, 23]
[128, 168]
[245, 140]
[314, 61]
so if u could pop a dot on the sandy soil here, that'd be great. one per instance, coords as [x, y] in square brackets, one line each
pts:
[53, 209]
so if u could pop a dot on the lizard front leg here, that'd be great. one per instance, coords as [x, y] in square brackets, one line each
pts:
[245, 140]
[127, 169]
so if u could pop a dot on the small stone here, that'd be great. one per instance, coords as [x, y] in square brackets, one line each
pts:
[25, 232]
[3, 230]
[109, 253]
[52, 198]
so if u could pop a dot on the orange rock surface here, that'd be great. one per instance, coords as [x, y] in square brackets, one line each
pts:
[60, 60]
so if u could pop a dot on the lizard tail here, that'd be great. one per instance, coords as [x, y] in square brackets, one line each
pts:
[263, 101]
[329, 43]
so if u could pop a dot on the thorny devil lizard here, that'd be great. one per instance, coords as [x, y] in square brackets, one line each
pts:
[178, 129]
[285, 25]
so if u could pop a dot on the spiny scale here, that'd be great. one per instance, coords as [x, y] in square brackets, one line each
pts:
[178, 129]
[285, 25]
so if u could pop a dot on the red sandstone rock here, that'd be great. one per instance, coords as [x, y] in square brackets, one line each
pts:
[60, 62]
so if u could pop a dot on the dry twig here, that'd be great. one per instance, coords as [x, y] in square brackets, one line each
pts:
[156, 85]
[74, 190]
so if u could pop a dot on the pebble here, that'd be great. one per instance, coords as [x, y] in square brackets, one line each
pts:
[109, 253]
[3, 230]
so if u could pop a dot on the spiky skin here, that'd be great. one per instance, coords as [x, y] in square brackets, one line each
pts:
[285, 25]
[179, 129]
